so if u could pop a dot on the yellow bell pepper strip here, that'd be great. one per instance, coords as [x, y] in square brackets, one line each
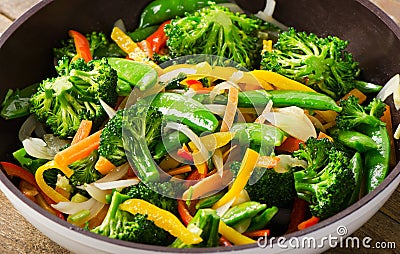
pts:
[131, 48]
[81, 45]
[213, 141]
[50, 192]
[162, 219]
[246, 168]
[232, 235]
[279, 81]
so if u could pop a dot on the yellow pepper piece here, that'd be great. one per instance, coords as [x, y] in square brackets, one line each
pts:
[213, 141]
[162, 219]
[131, 48]
[50, 192]
[246, 168]
[279, 81]
[232, 235]
[267, 45]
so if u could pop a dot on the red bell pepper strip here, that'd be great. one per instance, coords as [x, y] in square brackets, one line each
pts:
[185, 154]
[81, 45]
[308, 223]
[257, 233]
[158, 39]
[184, 213]
[298, 215]
[224, 242]
[17, 171]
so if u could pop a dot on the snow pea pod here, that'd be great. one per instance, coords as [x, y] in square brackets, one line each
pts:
[16, 103]
[159, 11]
[142, 33]
[260, 221]
[177, 108]
[280, 98]
[376, 160]
[169, 142]
[242, 211]
[356, 165]
[355, 140]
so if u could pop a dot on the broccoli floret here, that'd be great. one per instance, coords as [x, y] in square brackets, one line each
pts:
[111, 143]
[315, 152]
[215, 30]
[208, 221]
[354, 114]
[321, 63]
[100, 46]
[376, 108]
[327, 187]
[268, 186]
[153, 194]
[84, 170]
[64, 101]
[123, 225]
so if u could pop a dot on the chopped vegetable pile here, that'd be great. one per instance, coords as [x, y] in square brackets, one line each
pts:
[273, 133]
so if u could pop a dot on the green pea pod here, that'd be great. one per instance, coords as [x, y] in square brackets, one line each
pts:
[242, 211]
[376, 160]
[303, 99]
[258, 134]
[136, 74]
[355, 140]
[209, 201]
[141, 33]
[169, 142]
[159, 11]
[16, 103]
[177, 108]
[260, 221]
[367, 87]
[356, 165]
[280, 98]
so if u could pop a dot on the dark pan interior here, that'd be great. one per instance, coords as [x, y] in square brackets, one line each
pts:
[26, 56]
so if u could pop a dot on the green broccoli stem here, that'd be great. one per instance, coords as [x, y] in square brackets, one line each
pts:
[104, 228]
[87, 76]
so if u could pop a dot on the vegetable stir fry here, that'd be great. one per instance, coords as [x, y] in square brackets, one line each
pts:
[200, 128]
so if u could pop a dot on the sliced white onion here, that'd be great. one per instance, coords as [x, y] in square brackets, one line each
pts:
[40, 131]
[109, 110]
[116, 184]
[95, 209]
[174, 73]
[236, 76]
[179, 91]
[216, 109]
[74, 207]
[317, 123]
[55, 143]
[207, 185]
[218, 161]
[224, 208]
[267, 14]
[191, 135]
[115, 174]
[389, 87]
[261, 118]
[96, 193]
[27, 128]
[221, 87]
[286, 162]
[241, 198]
[293, 121]
[189, 93]
[397, 132]
[37, 148]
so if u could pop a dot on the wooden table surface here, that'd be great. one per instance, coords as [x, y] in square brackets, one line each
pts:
[19, 236]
